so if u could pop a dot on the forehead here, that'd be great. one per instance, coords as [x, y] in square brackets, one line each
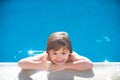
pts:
[62, 49]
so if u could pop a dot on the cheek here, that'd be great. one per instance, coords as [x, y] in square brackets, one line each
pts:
[66, 57]
[52, 57]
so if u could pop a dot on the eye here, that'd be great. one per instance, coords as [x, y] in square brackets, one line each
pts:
[64, 53]
[54, 53]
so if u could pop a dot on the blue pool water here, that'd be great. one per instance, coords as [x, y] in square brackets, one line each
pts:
[93, 26]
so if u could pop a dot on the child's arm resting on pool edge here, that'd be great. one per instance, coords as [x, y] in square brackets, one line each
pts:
[36, 62]
[79, 63]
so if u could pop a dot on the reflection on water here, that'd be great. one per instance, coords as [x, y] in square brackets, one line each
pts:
[34, 52]
[25, 53]
[103, 39]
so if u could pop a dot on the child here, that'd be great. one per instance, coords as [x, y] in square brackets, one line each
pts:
[58, 56]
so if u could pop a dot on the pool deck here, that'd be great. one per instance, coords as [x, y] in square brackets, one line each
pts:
[101, 71]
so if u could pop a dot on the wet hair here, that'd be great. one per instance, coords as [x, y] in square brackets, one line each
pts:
[58, 40]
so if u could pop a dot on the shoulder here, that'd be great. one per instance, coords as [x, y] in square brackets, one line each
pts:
[75, 56]
[40, 56]
[37, 57]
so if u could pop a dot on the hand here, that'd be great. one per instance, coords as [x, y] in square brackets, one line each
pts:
[57, 67]
[46, 65]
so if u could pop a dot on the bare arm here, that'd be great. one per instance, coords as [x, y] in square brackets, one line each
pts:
[79, 63]
[36, 62]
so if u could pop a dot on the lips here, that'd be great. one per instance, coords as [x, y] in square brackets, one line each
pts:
[61, 61]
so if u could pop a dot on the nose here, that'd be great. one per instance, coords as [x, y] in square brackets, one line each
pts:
[59, 57]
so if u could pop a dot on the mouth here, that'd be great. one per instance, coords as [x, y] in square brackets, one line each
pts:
[60, 62]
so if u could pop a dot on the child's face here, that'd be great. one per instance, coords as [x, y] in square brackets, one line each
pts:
[59, 57]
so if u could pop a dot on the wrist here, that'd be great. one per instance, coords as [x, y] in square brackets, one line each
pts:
[68, 65]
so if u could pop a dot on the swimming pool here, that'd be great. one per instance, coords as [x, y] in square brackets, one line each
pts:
[93, 27]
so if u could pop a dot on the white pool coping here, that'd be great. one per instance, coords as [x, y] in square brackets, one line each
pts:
[101, 71]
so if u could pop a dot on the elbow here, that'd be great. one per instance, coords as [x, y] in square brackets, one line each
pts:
[87, 66]
[90, 66]
[20, 64]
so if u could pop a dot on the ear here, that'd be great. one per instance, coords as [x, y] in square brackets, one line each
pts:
[48, 56]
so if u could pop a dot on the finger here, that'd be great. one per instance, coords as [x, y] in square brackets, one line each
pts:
[56, 70]
[53, 68]
[44, 57]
